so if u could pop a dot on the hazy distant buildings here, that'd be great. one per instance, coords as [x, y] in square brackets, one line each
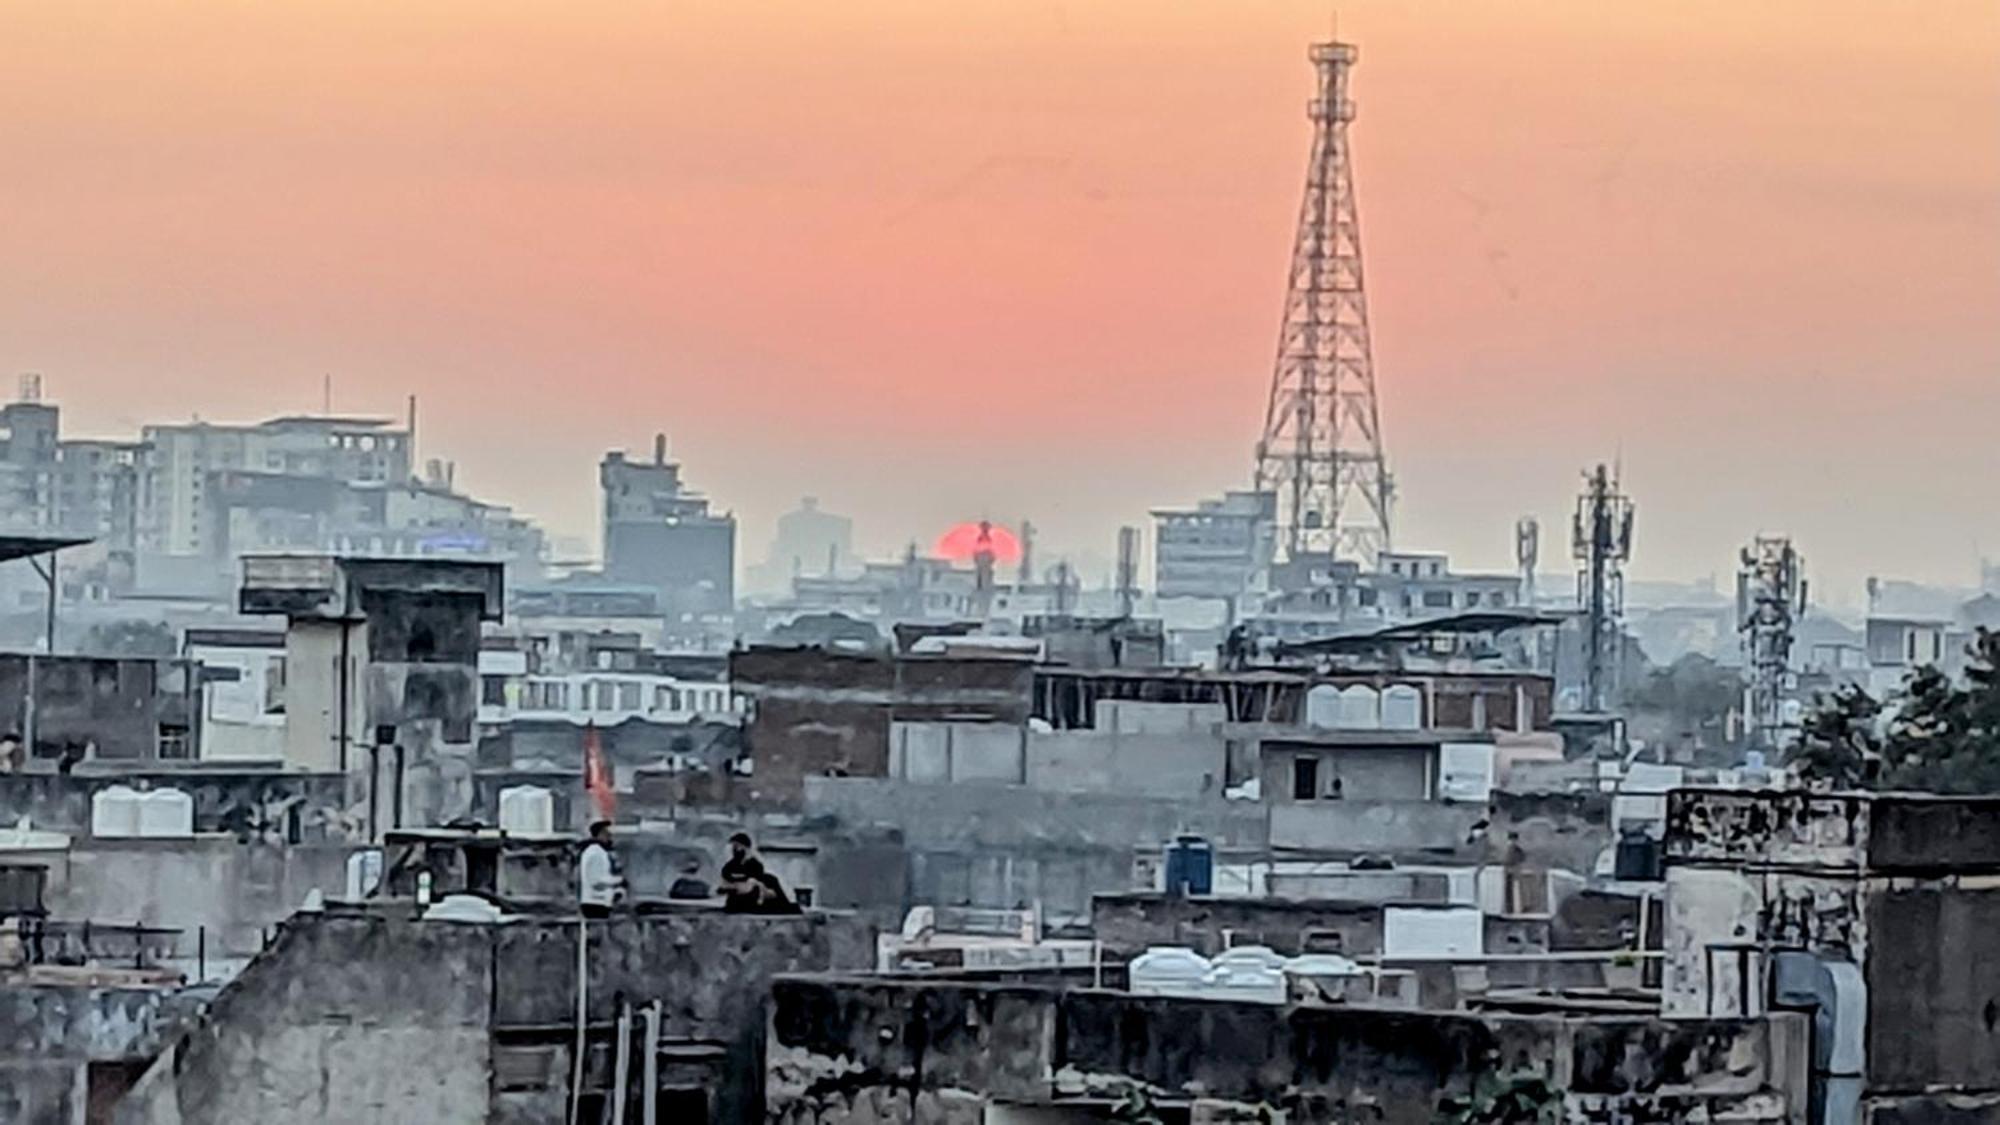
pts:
[809, 541]
[1314, 596]
[1217, 549]
[281, 466]
[658, 533]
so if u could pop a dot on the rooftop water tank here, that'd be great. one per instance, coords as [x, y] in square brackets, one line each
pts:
[166, 813]
[364, 874]
[1169, 970]
[114, 811]
[527, 810]
[1190, 866]
[1254, 973]
[1246, 980]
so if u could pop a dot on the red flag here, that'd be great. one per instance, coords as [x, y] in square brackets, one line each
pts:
[597, 775]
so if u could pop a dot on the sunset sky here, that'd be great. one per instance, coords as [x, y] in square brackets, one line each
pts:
[1006, 258]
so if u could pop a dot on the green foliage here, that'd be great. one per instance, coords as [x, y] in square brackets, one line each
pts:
[1837, 743]
[1505, 1099]
[131, 638]
[1942, 737]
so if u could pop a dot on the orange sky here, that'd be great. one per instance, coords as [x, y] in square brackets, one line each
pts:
[1023, 257]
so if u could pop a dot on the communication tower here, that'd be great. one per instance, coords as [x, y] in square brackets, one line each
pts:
[1527, 555]
[1770, 599]
[1321, 449]
[1602, 542]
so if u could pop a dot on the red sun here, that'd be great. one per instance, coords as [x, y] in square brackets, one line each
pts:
[961, 543]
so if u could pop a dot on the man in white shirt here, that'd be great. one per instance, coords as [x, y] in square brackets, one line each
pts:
[598, 884]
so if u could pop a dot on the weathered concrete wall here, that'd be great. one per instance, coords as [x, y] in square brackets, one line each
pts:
[1933, 1109]
[1012, 816]
[880, 1050]
[369, 1017]
[1933, 997]
[1181, 764]
[51, 1034]
[1127, 924]
[1410, 830]
[814, 713]
[712, 970]
[115, 705]
[1566, 831]
[1714, 915]
[1406, 771]
[1009, 846]
[233, 890]
[323, 662]
[940, 752]
[1801, 829]
[1912, 834]
[351, 1019]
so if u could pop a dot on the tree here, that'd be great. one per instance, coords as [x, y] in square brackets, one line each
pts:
[1942, 737]
[1837, 743]
[1685, 704]
[131, 638]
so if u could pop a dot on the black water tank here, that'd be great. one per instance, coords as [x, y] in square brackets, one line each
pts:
[1638, 858]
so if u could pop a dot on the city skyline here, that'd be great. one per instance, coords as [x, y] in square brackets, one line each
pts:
[1758, 277]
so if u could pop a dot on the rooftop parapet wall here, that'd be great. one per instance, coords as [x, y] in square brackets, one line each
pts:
[1887, 833]
[377, 1016]
[1782, 828]
[913, 1049]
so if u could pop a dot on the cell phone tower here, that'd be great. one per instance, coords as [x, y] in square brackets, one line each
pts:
[1601, 540]
[1321, 449]
[1770, 599]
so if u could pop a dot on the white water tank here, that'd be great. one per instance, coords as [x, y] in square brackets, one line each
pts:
[1252, 973]
[527, 810]
[463, 908]
[114, 811]
[1169, 970]
[166, 813]
[364, 874]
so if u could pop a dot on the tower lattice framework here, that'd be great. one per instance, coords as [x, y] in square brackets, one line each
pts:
[1321, 450]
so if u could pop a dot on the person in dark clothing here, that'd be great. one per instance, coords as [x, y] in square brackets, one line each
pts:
[746, 887]
[690, 884]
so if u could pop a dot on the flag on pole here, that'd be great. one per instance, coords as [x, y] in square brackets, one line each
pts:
[597, 775]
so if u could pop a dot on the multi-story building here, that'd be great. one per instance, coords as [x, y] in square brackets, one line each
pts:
[28, 465]
[1217, 549]
[660, 534]
[187, 512]
[1320, 597]
[809, 541]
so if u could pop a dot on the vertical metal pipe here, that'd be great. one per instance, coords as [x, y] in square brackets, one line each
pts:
[582, 1010]
[621, 1068]
[649, 1068]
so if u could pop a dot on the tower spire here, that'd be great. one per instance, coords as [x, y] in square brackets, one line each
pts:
[1321, 449]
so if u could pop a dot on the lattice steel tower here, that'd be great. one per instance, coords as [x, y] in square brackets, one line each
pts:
[1321, 453]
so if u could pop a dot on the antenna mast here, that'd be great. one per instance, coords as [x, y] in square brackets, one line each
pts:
[1321, 448]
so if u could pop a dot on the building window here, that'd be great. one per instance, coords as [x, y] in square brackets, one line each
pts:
[629, 697]
[1437, 599]
[605, 695]
[274, 685]
[493, 691]
[1305, 779]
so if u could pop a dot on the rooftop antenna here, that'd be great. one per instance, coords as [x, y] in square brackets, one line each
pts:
[326, 394]
[1128, 569]
[1024, 571]
[411, 438]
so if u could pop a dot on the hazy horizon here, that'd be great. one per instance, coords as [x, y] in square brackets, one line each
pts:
[932, 263]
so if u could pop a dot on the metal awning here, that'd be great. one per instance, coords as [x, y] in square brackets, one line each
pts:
[27, 546]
